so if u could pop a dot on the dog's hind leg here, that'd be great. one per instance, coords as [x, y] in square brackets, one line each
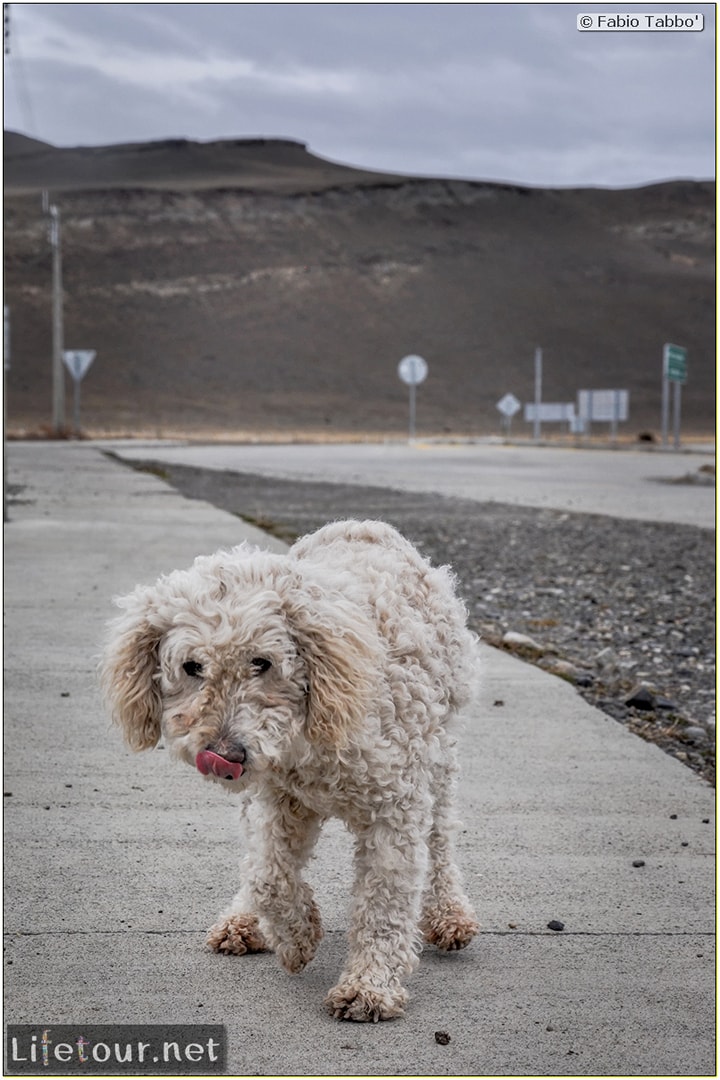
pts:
[447, 919]
[274, 908]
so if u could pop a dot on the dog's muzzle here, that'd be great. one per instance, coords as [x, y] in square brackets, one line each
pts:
[209, 762]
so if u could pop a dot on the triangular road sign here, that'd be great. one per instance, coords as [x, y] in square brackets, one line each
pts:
[77, 361]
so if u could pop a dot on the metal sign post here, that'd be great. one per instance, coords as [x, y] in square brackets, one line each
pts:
[6, 368]
[538, 393]
[412, 370]
[674, 371]
[77, 361]
[58, 382]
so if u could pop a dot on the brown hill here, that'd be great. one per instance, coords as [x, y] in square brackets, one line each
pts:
[249, 286]
[281, 166]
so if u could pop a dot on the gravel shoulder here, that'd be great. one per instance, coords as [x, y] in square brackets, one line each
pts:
[624, 610]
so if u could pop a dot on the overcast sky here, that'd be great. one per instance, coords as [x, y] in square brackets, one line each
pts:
[482, 91]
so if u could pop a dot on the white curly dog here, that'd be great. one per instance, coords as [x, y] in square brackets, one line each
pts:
[318, 684]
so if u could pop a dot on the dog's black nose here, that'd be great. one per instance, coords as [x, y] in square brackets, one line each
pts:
[231, 751]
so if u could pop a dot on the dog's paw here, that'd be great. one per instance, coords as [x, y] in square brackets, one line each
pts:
[296, 953]
[366, 1003]
[236, 935]
[451, 927]
[294, 957]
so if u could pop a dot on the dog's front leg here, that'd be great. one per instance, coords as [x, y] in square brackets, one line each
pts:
[384, 940]
[274, 908]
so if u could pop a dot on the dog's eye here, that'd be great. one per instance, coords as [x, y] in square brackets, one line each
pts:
[193, 669]
[260, 664]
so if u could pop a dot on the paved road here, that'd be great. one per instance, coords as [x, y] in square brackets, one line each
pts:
[628, 484]
[116, 863]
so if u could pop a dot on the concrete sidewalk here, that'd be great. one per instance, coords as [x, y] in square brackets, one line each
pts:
[116, 863]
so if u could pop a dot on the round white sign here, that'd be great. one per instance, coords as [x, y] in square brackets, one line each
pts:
[412, 370]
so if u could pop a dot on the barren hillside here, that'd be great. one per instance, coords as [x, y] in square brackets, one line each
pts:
[249, 286]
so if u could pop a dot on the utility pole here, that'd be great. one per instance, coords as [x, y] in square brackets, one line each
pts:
[538, 392]
[58, 372]
[6, 366]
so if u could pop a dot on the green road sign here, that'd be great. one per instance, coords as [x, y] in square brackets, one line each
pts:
[675, 363]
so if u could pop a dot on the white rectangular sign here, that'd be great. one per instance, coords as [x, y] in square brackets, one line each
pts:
[550, 411]
[603, 404]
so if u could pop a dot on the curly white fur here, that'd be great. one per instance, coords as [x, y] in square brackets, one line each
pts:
[332, 676]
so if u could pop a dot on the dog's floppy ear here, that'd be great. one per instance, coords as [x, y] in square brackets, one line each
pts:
[129, 666]
[342, 652]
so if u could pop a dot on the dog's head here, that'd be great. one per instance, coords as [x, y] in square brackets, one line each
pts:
[241, 663]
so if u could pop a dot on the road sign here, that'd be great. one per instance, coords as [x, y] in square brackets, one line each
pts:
[508, 405]
[674, 371]
[77, 361]
[412, 370]
[675, 363]
[550, 411]
[609, 405]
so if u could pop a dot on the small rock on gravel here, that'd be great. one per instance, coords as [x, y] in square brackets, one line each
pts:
[696, 734]
[514, 640]
[641, 697]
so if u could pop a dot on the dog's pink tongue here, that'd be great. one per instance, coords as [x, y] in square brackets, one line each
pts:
[208, 762]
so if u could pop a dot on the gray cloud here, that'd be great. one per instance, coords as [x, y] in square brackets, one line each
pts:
[487, 91]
